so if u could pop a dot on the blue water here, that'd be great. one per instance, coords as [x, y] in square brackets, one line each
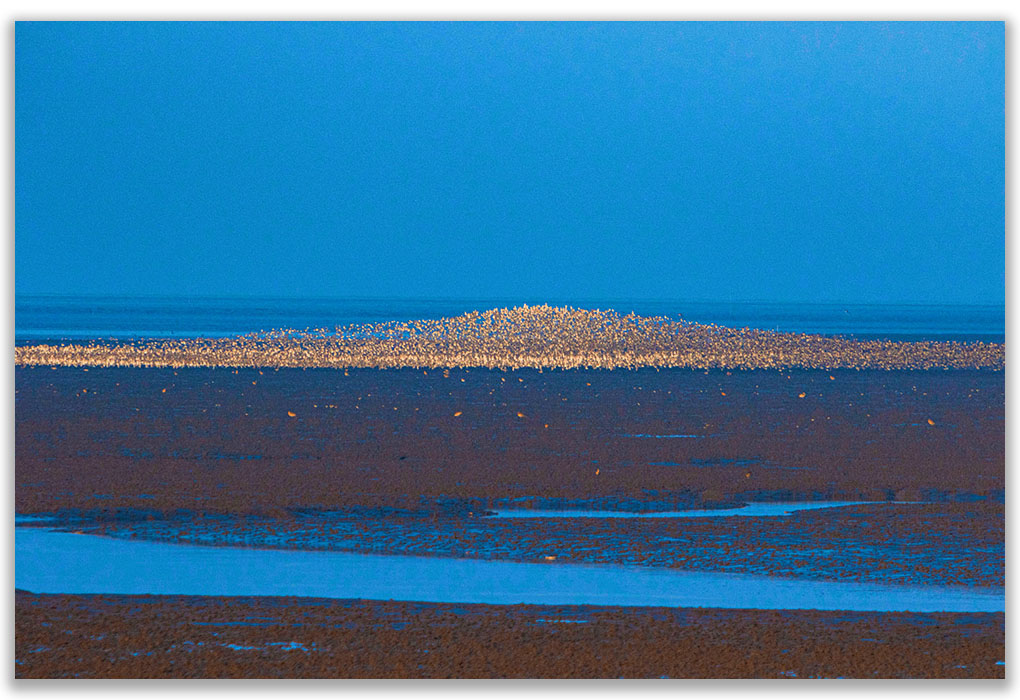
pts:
[757, 510]
[661, 437]
[40, 317]
[48, 561]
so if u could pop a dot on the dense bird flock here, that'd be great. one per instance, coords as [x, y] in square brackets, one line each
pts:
[528, 336]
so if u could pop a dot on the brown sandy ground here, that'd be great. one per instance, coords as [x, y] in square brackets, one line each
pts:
[225, 441]
[934, 544]
[218, 452]
[179, 636]
[213, 455]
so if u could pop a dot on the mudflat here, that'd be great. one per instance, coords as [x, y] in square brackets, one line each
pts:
[247, 441]
[179, 636]
[407, 461]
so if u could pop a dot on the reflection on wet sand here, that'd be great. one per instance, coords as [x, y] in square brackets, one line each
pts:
[59, 562]
[758, 510]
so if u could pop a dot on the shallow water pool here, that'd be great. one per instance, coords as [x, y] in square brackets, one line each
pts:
[49, 561]
[747, 510]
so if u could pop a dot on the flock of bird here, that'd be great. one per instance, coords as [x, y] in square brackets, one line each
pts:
[526, 337]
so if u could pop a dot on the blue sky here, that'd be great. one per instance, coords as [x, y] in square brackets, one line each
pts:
[844, 162]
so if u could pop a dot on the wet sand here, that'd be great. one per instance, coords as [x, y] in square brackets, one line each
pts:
[949, 544]
[380, 460]
[224, 441]
[211, 637]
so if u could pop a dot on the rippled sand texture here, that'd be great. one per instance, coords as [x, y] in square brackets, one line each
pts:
[535, 337]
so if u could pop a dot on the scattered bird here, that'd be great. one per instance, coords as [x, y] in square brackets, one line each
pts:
[539, 337]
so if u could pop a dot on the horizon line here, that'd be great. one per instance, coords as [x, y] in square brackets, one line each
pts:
[499, 299]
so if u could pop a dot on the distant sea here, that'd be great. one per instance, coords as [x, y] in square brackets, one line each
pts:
[39, 318]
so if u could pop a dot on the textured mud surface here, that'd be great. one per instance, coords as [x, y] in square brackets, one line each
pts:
[933, 544]
[244, 441]
[177, 636]
[410, 461]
